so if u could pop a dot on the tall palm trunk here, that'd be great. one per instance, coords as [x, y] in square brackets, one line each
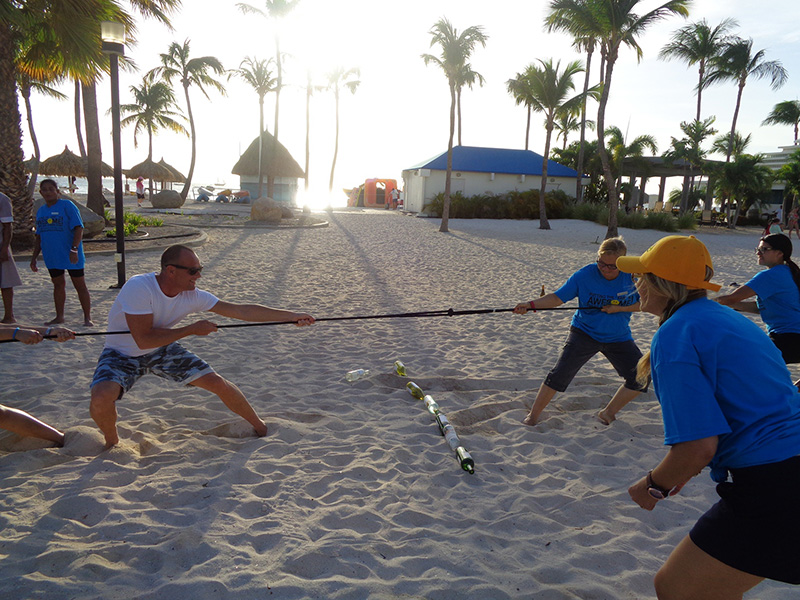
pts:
[12, 173]
[543, 222]
[733, 124]
[308, 129]
[335, 140]
[444, 227]
[188, 184]
[78, 129]
[260, 145]
[278, 84]
[26, 95]
[702, 72]
[528, 128]
[94, 176]
[458, 108]
[613, 198]
[579, 166]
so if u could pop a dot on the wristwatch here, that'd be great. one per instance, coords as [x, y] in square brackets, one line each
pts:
[655, 491]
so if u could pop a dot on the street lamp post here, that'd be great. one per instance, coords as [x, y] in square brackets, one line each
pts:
[113, 35]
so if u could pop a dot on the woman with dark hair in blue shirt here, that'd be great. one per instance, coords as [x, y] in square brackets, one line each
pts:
[727, 402]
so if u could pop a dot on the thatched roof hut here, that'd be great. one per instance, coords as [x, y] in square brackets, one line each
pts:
[66, 164]
[150, 170]
[177, 176]
[277, 164]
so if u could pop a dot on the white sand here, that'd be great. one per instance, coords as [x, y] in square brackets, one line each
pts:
[353, 494]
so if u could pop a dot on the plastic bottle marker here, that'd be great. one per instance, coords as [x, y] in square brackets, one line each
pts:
[399, 368]
[415, 390]
[356, 374]
[466, 459]
[431, 405]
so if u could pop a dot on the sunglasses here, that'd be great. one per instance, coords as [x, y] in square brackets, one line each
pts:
[190, 270]
[606, 266]
[762, 249]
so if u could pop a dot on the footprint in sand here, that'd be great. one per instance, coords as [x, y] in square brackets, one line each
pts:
[236, 430]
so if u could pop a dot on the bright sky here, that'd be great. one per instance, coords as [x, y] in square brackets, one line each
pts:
[398, 117]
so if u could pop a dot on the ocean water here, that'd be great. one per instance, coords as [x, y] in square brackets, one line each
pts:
[108, 183]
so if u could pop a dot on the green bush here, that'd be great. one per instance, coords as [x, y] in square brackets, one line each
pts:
[512, 205]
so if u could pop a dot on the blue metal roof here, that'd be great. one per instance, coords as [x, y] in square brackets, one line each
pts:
[496, 160]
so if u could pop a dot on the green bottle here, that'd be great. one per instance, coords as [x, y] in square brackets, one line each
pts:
[466, 460]
[399, 368]
[415, 390]
[431, 405]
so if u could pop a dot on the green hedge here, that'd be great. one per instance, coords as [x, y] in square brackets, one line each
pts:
[525, 205]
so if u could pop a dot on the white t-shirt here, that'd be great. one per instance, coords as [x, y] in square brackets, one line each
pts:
[142, 295]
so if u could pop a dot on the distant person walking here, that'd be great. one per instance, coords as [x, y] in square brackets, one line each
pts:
[9, 276]
[139, 190]
[793, 224]
[59, 237]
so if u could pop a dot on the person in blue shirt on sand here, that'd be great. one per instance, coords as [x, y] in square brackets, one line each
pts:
[727, 402]
[777, 292]
[604, 328]
[59, 235]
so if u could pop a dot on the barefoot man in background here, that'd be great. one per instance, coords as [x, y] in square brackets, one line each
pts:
[149, 306]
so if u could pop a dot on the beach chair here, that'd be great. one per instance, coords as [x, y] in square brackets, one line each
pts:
[707, 218]
[658, 206]
[668, 207]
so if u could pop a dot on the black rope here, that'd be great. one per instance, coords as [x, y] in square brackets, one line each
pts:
[428, 313]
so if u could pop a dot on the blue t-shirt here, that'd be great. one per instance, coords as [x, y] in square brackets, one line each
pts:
[778, 299]
[716, 373]
[592, 289]
[54, 225]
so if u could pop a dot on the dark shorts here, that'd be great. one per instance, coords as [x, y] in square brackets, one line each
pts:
[59, 272]
[755, 527]
[173, 362]
[139, 196]
[789, 345]
[580, 347]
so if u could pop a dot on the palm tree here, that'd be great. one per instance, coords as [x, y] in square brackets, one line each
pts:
[177, 63]
[619, 150]
[789, 173]
[579, 19]
[152, 109]
[745, 181]
[567, 121]
[456, 50]
[337, 79]
[698, 44]
[690, 149]
[785, 113]
[614, 23]
[466, 76]
[257, 73]
[738, 63]
[519, 88]
[550, 90]
[722, 144]
[276, 9]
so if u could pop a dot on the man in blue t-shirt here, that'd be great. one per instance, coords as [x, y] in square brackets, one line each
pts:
[607, 298]
[59, 237]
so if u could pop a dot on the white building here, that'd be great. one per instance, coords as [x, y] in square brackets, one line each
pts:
[483, 171]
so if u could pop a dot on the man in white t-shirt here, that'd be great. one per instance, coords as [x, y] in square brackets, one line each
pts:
[149, 306]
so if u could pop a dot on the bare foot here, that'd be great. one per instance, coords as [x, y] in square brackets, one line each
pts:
[56, 321]
[261, 431]
[111, 440]
[88, 323]
[529, 420]
[606, 418]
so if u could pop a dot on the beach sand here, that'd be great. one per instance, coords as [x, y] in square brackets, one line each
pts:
[353, 494]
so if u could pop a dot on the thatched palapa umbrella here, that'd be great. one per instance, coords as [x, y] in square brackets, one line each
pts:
[66, 164]
[277, 164]
[177, 176]
[150, 170]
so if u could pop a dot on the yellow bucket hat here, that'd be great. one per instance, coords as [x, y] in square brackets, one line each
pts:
[678, 258]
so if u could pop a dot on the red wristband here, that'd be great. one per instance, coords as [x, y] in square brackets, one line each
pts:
[533, 308]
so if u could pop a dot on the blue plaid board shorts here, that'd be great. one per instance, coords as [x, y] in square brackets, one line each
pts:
[173, 362]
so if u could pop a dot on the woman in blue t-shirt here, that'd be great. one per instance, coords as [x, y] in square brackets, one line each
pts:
[777, 292]
[727, 402]
[607, 299]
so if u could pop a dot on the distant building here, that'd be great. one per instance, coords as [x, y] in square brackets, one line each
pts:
[775, 160]
[483, 171]
[277, 162]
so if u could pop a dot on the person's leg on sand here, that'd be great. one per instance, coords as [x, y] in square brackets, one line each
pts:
[103, 409]
[59, 298]
[233, 398]
[23, 424]
[621, 398]
[8, 305]
[543, 398]
[79, 283]
[691, 574]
